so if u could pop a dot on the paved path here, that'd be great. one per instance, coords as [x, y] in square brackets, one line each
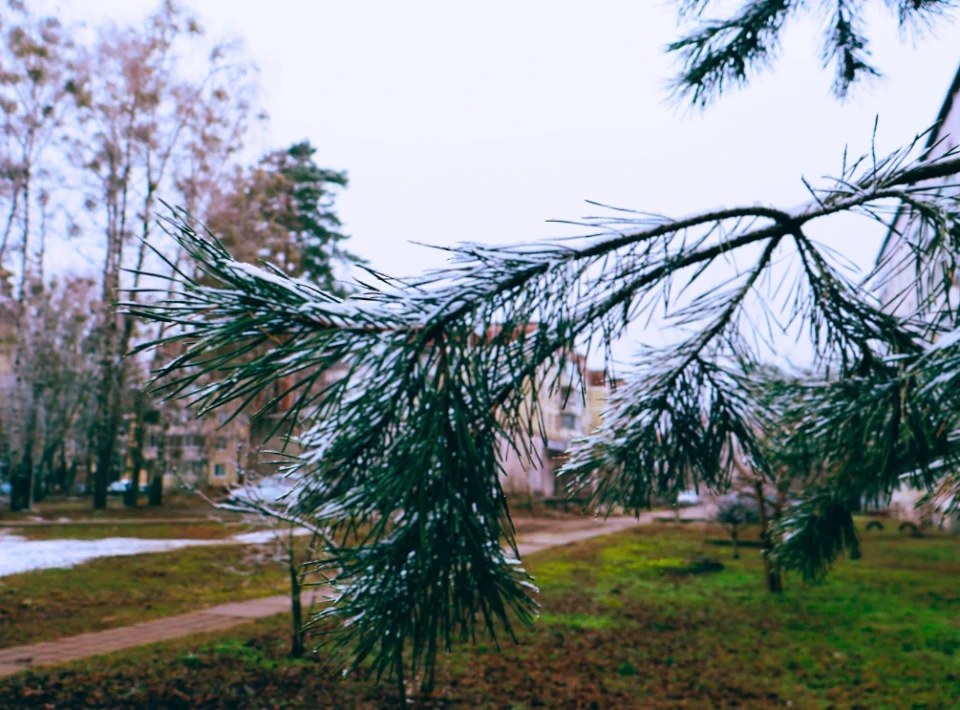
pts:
[19, 658]
[568, 532]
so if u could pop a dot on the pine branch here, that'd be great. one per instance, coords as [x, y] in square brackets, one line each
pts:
[846, 47]
[723, 54]
[409, 392]
[812, 534]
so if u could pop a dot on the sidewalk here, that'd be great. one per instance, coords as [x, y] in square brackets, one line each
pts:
[14, 660]
[19, 658]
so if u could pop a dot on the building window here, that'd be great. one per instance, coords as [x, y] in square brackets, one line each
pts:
[221, 443]
[219, 470]
[568, 421]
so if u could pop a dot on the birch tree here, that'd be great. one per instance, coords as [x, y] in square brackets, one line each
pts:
[37, 60]
[148, 124]
[52, 391]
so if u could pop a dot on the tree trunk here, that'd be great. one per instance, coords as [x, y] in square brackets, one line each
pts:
[88, 460]
[26, 476]
[46, 478]
[39, 488]
[296, 603]
[110, 397]
[155, 495]
[62, 470]
[401, 686]
[109, 413]
[106, 437]
[772, 575]
[159, 465]
[24, 260]
[136, 453]
[20, 485]
[107, 421]
[30, 479]
[777, 514]
[71, 476]
[10, 220]
[735, 534]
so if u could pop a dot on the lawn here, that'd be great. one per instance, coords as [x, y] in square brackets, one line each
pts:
[212, 530]
[175, 505]
[119, 591]
[627, 623]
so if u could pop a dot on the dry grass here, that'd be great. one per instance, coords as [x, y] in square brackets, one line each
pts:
[627, 623]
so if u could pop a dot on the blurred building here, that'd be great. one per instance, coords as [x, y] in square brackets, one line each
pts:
[219, 448]
[572, 403]
[205, 451]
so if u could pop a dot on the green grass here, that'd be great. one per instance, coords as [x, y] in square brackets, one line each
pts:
[623, 626]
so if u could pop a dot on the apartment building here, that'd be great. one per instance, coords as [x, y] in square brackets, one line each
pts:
[570, 411]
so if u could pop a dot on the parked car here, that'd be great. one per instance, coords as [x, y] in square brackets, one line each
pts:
[687, 498]
[117, 487]
[748, 501]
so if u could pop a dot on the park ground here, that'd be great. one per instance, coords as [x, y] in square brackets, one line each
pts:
[631, 620]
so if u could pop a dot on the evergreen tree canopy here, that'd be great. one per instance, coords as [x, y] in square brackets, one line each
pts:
[282, 211]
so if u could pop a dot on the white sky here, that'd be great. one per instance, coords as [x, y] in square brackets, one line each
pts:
[479, 121]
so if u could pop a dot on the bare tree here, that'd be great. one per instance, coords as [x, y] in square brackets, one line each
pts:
[733, 512]
[37, 58]
[36, 63]
[55, 378]
[149, 124]
[282, 526]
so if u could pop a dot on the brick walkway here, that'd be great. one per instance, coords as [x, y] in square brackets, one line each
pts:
[48, 653]
[19, 658]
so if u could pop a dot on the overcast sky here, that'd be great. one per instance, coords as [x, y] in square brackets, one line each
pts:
[479, 121]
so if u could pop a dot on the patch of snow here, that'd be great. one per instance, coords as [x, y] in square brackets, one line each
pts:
[20, 555]
[269, 490]
[257, 537]
[17, 554]
[261, 537]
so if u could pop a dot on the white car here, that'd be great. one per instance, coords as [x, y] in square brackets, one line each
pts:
[118, 487]
[688, 498]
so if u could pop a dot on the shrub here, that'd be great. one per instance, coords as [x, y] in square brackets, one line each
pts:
[735, 510]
